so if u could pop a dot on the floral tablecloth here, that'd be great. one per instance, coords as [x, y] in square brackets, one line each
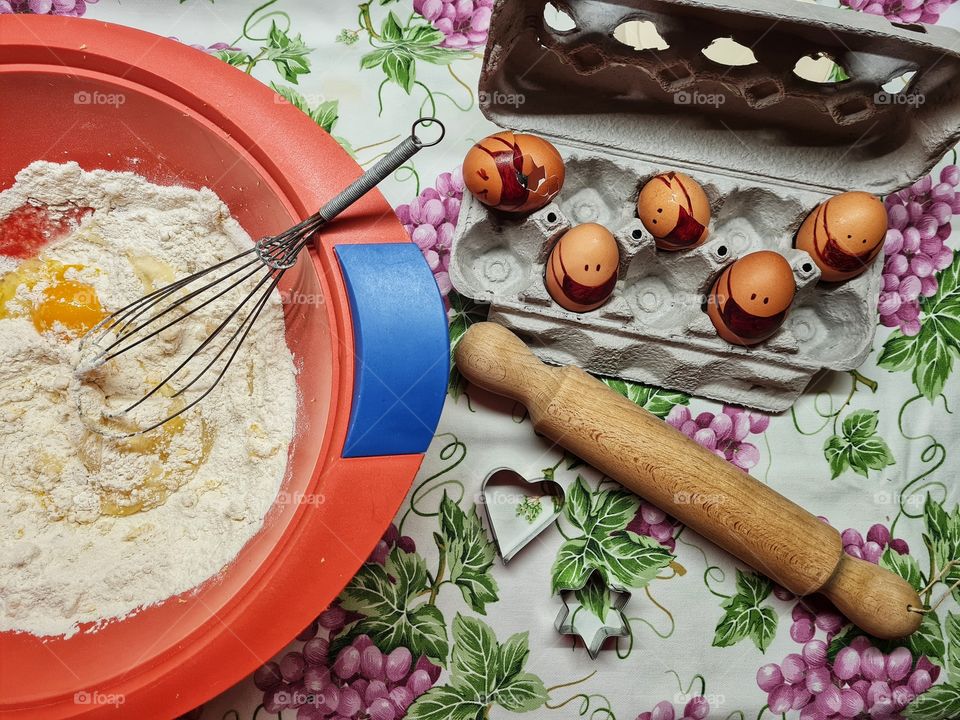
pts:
[435, 625]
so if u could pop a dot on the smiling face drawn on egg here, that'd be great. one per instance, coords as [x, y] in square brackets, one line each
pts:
[844, 234]
[513, 172]
[675, 210]
[581, 271]
[749, 301]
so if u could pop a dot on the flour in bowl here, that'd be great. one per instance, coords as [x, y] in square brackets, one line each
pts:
[94, 528]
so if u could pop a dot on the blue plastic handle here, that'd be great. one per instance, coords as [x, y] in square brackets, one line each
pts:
[401, 345]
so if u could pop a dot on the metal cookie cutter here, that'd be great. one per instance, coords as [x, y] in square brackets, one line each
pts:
[519, 509]
[579, 616]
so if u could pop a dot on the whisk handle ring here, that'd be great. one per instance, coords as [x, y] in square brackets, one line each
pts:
[382, 169]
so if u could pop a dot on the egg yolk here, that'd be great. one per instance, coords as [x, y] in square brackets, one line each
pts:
[71, 307]
[159, 481]
[63, 305]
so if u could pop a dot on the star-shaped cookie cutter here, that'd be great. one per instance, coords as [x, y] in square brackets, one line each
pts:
[577, 619]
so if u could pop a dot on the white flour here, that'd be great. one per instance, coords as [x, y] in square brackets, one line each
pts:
[195, 491]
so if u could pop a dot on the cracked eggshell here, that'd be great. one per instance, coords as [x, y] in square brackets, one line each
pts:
[513, 172]
[674, 209]
[844, 234]
[749, 301]
[581, 271]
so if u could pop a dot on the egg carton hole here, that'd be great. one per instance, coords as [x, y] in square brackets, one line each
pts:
[764, 93]
[750, 214]
[558, 20]
[653, 301]
[640, 35]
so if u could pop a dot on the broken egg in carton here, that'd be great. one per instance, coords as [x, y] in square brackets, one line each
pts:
[614, 115]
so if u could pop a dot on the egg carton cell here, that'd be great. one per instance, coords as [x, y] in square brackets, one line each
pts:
[766, 137]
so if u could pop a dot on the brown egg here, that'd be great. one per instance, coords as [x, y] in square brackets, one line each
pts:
[512, 172]
[676, 211]
[750, 299]
[582, 268]
[844, 234]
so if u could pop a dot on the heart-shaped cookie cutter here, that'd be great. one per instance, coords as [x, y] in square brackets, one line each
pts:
[516, 512]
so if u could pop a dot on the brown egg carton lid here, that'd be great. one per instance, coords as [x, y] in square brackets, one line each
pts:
[758, 121]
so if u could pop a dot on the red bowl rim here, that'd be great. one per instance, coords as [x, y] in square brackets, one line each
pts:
[291, 588]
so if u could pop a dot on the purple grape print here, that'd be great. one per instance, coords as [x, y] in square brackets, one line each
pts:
[430, 219]
[862, 681]
[209, 49]
[391, 539]
[724, 434]
[927, 12]
[915, 247]
[357, 681]
[464, 23]
[871, 548]
[71, 8]
[697, 708]
[360, 682]
[654, 522]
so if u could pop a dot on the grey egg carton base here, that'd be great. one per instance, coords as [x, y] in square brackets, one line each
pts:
[653, 329]
[767, 145]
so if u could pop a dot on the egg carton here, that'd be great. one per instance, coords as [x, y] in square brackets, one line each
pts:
[767, 146]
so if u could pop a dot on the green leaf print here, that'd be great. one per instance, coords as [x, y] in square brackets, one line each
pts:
[445, 703]
[483, 673]
[576, 507]
[937, 703]
[943, 531]
[655, 400]
[743, 615]
[906, 566]
[389, 620]
[621, 558]
[289, 55]
[398, 48]
[325, 114]
[953, 647]
[931, 352]
[595, 597]
[859, 447]
[236, 58]
[570, 568]
[899, 353]
[468, 554]
[928, 639]
[464, 312]
[390, 30]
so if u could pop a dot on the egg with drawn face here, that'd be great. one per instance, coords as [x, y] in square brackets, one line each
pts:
[844, 234]
[749, 301]
[513, 172]
[675, 210]
[582, 268]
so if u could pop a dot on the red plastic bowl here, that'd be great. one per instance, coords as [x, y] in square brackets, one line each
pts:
[189, 119]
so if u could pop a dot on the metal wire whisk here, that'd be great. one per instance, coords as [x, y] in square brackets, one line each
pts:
[147, 318]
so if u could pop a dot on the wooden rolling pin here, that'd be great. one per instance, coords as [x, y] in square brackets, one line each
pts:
[647, 456]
